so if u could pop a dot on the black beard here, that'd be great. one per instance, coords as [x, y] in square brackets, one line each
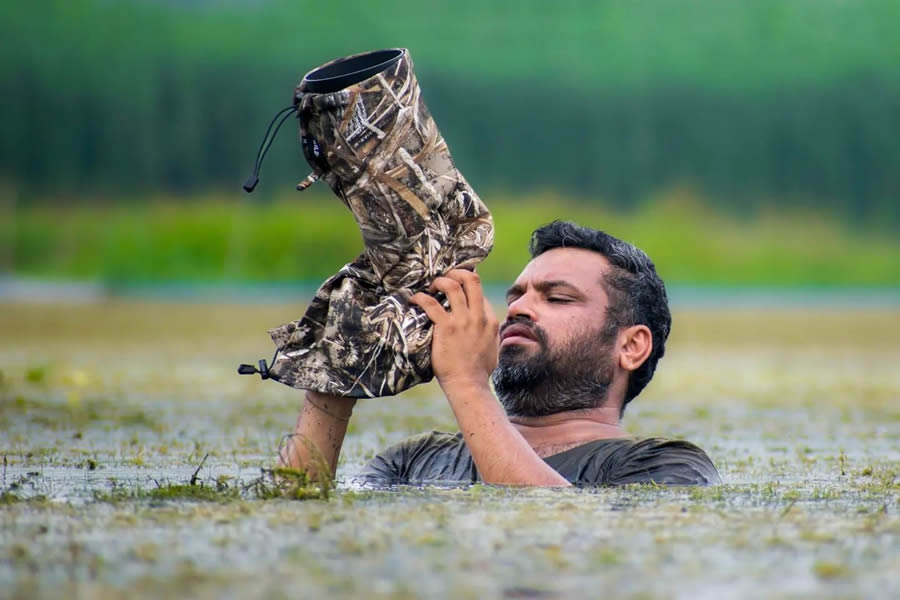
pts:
[575, 376]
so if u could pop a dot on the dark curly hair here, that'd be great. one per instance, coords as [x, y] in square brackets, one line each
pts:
[637, 296]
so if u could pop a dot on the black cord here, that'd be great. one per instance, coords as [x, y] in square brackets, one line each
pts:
[266, 143]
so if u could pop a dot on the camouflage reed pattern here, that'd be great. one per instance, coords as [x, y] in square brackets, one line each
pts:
[378, 148]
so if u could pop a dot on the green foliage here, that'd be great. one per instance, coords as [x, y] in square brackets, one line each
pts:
[278, 483]
[180, 491]
[292, 484]
[174, 492]
[830, 570]
[308, 239]
[35, 374]
[748, 101]
[7, 497]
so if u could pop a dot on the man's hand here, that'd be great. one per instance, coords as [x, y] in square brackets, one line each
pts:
[466, 340]
[464, 353]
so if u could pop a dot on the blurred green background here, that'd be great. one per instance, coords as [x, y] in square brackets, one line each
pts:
[739, 143]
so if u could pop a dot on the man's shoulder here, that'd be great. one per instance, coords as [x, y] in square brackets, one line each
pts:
[427, 440]
[433, 438]
[429, 456]
[667, 462]
[640, 460]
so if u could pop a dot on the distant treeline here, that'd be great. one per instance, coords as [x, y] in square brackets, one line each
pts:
[753, 103]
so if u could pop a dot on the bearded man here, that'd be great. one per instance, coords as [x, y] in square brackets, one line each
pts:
[587, 321]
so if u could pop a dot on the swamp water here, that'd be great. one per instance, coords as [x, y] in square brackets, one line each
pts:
[108, 409]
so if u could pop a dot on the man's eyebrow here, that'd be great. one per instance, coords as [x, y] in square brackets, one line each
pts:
[515, 290]
[545, 287]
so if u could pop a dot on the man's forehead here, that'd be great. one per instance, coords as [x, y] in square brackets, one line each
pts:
[577, 266]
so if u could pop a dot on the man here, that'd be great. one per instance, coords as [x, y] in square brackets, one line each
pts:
[587, 322]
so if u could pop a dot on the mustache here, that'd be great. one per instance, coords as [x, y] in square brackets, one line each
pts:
[539, 334]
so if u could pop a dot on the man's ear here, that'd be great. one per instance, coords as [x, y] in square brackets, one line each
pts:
[635, 345]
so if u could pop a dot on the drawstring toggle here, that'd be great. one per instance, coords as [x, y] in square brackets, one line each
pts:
[263, 369]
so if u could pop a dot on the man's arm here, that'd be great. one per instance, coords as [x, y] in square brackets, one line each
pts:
[319, 434]
[501, 454]
[464, 352]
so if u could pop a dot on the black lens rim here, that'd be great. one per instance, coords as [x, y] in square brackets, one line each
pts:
[344, 72]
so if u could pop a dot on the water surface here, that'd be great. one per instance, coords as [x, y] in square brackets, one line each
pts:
[103, 402]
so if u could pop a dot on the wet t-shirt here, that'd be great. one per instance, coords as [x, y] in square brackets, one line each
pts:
[444, 458]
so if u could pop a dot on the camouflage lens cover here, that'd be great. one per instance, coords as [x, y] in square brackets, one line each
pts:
[377, 147]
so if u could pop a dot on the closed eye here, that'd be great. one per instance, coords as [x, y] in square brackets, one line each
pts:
[559, 300]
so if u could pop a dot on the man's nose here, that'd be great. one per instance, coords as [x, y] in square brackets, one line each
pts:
[522, 307]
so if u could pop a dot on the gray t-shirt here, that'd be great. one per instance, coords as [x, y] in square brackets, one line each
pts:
[437, 457]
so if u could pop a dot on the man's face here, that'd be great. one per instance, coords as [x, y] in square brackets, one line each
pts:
[555, 351]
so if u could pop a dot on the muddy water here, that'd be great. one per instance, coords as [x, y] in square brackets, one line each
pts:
[107, 411]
